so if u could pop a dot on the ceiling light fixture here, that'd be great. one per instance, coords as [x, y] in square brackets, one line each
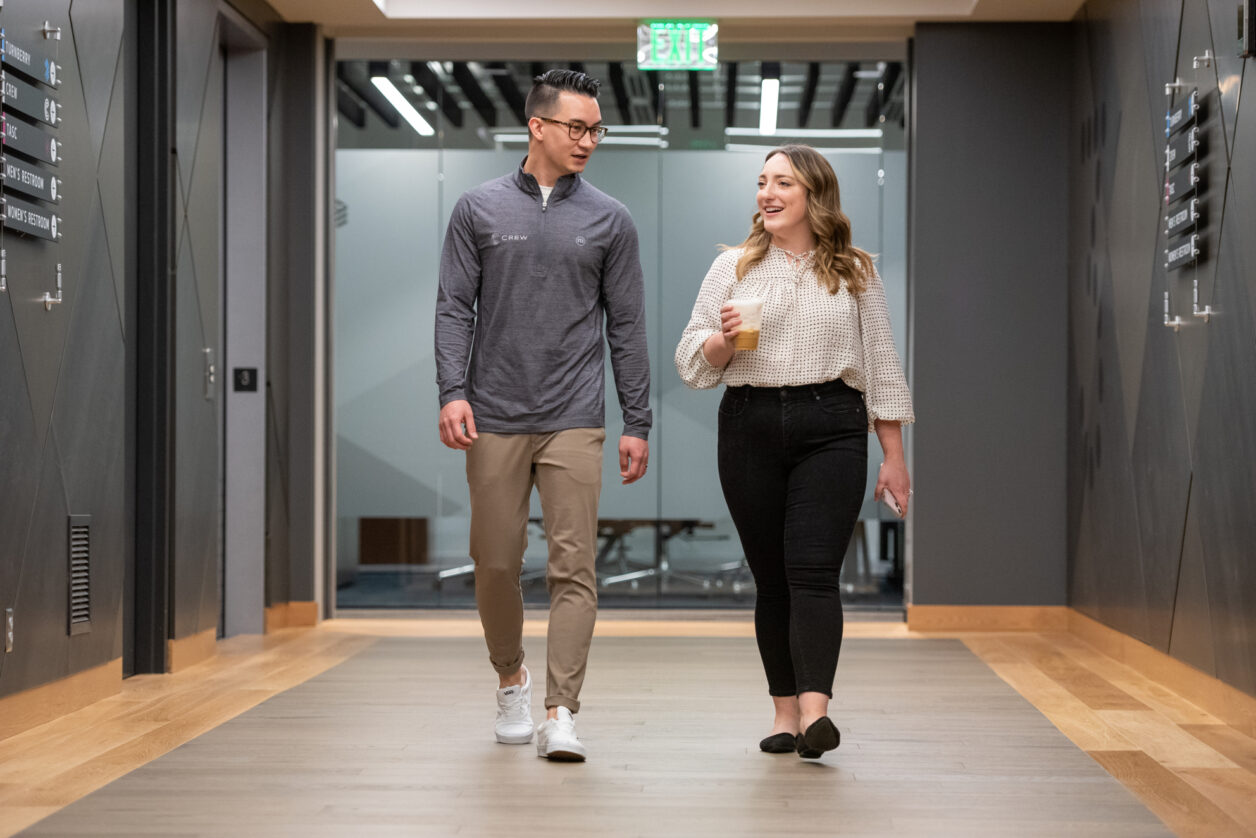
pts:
[760, 148]
[830, 133]
[403, 106]
[769, 96]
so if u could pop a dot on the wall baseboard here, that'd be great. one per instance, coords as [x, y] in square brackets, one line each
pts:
[291, 615]
[30, 708]
[1229, 704]
[189, 651]
[987, 617]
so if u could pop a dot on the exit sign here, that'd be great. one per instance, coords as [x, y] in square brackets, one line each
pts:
[677, 45]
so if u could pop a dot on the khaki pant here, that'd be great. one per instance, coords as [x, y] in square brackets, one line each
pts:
[566, 468]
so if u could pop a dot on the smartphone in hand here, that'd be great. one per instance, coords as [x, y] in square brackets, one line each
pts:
[891, 503]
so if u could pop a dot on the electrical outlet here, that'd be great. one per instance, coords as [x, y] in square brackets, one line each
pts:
[8, 629]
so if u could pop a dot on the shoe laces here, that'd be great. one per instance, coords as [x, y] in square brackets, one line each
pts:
[566, 723]
[514, 705]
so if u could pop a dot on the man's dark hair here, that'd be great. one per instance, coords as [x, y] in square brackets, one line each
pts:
[547, 86]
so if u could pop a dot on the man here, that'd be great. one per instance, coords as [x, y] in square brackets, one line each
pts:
[533, 263]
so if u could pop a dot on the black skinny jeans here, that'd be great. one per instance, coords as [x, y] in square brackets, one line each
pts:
[793, 463]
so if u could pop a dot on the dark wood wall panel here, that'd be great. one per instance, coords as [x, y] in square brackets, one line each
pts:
[1160, 538]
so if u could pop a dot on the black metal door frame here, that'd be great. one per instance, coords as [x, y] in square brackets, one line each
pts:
[149, 585]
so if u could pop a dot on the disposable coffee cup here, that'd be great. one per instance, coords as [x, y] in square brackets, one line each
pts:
[751, 313]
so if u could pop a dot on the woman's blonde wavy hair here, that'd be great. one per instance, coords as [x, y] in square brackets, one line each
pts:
[836, 259]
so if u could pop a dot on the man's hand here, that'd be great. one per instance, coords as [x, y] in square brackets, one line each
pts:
[457, 425]
[633, 454]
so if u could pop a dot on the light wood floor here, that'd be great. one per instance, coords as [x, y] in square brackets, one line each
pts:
[1195, 773]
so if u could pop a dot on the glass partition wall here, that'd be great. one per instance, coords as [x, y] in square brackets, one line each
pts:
[683, 154]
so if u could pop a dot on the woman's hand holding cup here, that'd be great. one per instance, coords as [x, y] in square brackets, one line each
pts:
[730, 325]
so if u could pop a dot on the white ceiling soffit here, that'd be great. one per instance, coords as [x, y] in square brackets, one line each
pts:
[739, 19]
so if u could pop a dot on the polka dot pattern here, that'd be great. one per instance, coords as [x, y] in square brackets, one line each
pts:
[808, 335]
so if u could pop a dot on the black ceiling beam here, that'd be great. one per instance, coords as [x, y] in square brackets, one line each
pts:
[872, 110]
[436, 91]
[845, 91]
[620, 89]
[475, 94]
[655, 82]
[505, 81]
[730, 96]
[695, 100]
[881, 94]
[892, 71]
[350, 106]
[808, 93]
[355, 75]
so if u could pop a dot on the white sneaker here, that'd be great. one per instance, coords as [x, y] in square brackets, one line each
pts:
[556, 739]
[514, 713]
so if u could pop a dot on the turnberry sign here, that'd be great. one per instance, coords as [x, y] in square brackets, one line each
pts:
[29, 59]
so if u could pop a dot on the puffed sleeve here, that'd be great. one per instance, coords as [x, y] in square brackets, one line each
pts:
[887, 396]
[691, 363]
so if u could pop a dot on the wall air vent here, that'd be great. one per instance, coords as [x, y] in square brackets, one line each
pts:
[80, 574]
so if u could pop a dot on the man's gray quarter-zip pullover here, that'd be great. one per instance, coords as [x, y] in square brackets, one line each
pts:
[524, 291]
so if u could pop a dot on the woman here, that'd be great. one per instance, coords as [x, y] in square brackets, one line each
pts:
[794, 422]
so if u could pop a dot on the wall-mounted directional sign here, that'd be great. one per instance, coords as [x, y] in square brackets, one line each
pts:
[29, 117]
[1180, 184]
[1186, 217]
[1181, 148]
[29, 180]
[1184, 174]
[29, 60]
[1176, 120]
[1182, 253]
[30, 219]
[29, 140]
[27, 99]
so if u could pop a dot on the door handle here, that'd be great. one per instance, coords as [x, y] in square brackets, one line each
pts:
[211, 373]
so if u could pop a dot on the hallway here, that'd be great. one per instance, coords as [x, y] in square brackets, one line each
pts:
[359, 727]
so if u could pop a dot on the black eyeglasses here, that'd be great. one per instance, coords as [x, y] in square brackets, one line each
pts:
[577, 130]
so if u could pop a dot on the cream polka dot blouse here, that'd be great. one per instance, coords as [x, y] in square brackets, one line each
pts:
[808, 335]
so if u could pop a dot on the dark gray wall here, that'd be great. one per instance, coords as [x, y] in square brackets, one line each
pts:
[296, 493]
[68, 376]
[988, 222]
[1162, 443]
[64, 408]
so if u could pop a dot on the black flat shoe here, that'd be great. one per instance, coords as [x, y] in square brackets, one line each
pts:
[820, 736]
[778, 743]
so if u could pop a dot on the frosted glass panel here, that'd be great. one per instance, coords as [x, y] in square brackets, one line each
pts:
[393, 208]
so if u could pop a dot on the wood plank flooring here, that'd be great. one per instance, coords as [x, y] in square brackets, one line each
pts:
[1193, 772]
